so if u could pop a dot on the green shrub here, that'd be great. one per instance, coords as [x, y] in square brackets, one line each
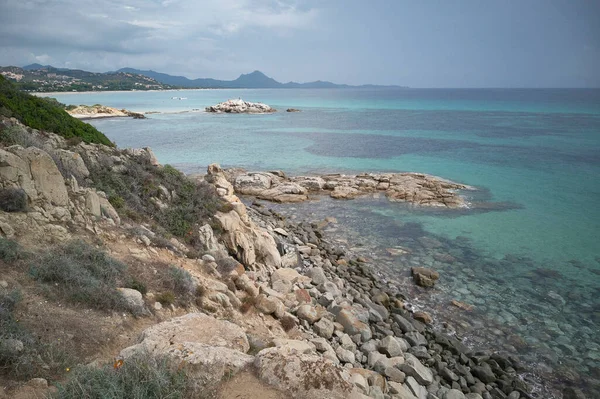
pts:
[13, 200]
[166, 298]
[141, 377]
[46, 114]
[137, 285]
[10, 250]
[82, 274]
[116, 201]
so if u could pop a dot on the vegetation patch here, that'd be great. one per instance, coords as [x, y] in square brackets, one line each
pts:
[175, 204]
[11, 251]
[13, 199]
[143, 376]
[22, 354]
[43, 114]
[82, 274]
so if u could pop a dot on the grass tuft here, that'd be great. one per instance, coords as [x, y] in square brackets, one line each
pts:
[138, 377]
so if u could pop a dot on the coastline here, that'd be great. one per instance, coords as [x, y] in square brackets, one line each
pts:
[359, 317]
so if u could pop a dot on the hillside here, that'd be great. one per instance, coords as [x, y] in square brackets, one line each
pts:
[39, 78]
[45, 114]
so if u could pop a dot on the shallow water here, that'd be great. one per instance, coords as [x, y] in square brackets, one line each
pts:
[529, 265]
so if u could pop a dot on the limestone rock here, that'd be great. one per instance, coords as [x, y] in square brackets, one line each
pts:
[304, 376]
[208, 240]
[252, 245]
[317, 275]
[324, 328]
[133, 300]
[309, 313]
[108, 210]
[414, 368]
[72, 163]
[92, 203]
[191, 328]
[390, 346]
[352, 325]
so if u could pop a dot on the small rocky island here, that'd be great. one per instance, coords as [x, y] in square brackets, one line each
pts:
[240, 106]
[101, 111]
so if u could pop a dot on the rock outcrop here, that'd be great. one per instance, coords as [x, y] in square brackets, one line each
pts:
[253, 246]
[240, 107]
[100, 111]
[416, 188]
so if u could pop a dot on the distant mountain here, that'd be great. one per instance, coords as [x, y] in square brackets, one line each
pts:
[253, 80]
[33, 67]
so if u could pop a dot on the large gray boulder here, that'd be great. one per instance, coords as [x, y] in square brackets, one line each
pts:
[208, 349]
[303, 376]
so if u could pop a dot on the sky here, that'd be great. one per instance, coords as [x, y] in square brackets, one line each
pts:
[416, 43]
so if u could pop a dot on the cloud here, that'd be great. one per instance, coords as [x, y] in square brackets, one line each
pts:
[91, 32]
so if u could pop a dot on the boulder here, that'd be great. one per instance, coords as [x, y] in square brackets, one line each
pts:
[254, 247]
[317, 274]
[352, 325]
[206, 348]
[324, 328]
[345, 355]
[92, 203]
[72, 163]
[108, 210]
[253, 183]
[308, 313]
[424, 277]
[191, 328]
[133, 300]
[390, 346]
[344, 192]
[454, 394]
[304, 376]
[414, 368]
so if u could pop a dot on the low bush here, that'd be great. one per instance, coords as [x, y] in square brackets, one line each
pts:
[137, 285]
[165, 298]
[182, 282]
[82, 274]
[135, 378]
[23, 355]
[11, 251]
[13, 199]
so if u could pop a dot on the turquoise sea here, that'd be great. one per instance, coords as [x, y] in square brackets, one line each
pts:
[529, 261]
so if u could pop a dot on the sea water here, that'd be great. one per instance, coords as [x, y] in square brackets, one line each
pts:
[528, 262]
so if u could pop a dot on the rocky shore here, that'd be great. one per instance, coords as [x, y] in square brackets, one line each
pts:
[354, 318]
[101, 111]
[416, 188]
[240, 106]
[274, 299]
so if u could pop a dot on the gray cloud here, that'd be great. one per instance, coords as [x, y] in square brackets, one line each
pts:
[511, 43]
[138, 33]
